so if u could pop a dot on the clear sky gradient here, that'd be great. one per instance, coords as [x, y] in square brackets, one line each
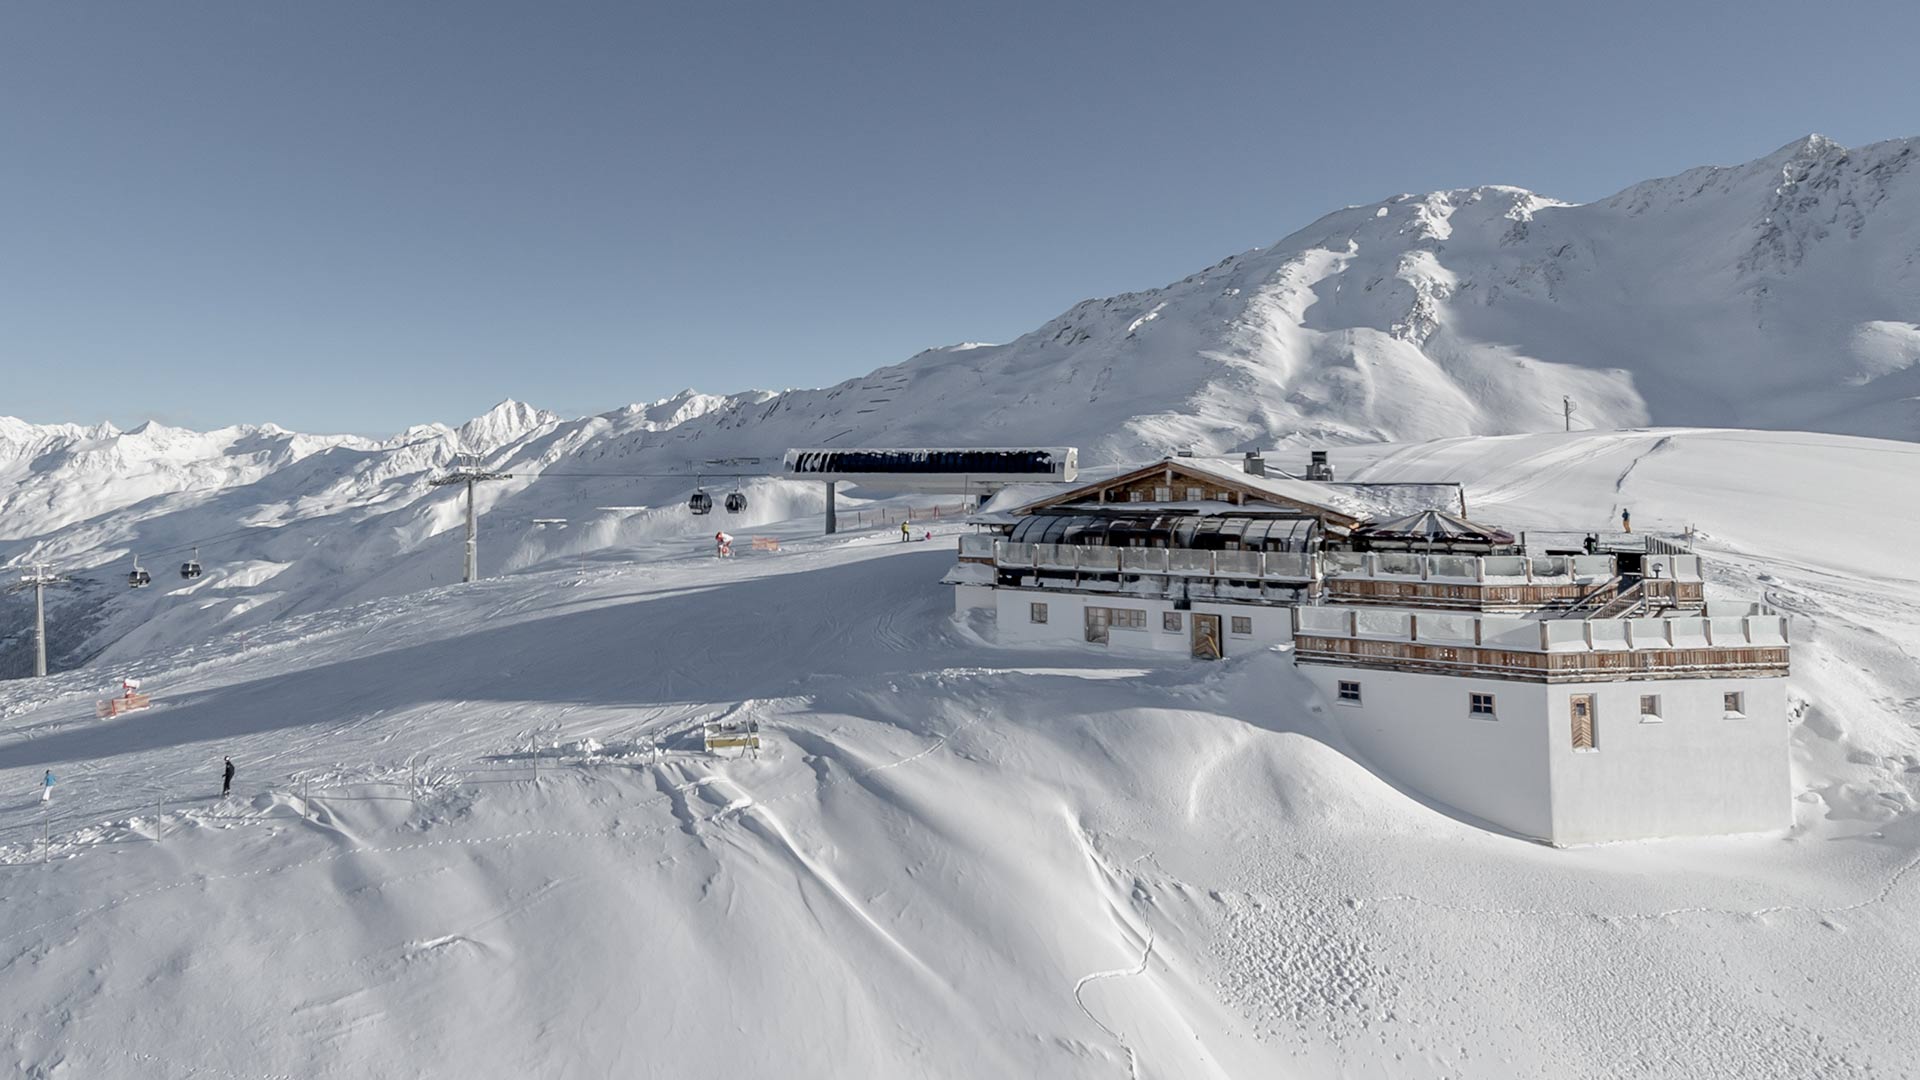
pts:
[354, 216]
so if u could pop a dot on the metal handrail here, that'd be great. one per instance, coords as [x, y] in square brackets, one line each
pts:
[1574, 609]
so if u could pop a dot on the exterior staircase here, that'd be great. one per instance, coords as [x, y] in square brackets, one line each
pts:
[1626, 603]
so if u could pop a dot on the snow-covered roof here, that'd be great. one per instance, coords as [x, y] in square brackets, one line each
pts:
[1233, 471]
[1352, 502]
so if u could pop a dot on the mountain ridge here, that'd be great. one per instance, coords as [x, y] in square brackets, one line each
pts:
[1782, 293]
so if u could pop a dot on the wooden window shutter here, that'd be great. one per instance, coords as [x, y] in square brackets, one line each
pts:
[1582, 708]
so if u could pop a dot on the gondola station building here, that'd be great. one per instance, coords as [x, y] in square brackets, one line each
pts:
[1574, 695]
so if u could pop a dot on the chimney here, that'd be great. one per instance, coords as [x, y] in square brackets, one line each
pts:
[1318, 468]
[1255, 464]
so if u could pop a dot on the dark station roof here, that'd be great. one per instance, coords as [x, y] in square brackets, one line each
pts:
[1434, 527]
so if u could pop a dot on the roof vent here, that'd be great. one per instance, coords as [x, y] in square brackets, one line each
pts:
[1255, 464]
[1318, 467]
[1183, 453]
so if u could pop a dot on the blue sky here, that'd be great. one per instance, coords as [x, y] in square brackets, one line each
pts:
[348, 216]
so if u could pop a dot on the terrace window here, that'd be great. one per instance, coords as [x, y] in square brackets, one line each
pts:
[1170, 620]
[1242, 624]
[1037, 613]
[1650, 709]
[1480, 706]
[1195, 494]
[1349, 692]
[1735, 705]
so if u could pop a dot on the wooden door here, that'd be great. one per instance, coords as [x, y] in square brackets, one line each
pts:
[1098, 619]
[1206, 637]
[1580, 706]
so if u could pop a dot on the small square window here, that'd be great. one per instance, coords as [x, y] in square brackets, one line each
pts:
[1170, 620]
[1136, 496]
[1350, 692]
[1480, 705]
[1163, 494]
[1243, 624]
[1649, 708]
[1195, 494]
[1037, 612]
[1735, 703]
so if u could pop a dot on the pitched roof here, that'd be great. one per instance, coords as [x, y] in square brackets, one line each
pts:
[1283, 492]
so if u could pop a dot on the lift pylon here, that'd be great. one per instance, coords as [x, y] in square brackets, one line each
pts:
[470, 475]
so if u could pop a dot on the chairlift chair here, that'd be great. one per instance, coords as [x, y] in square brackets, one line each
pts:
[736, 502]
[191, 568]
[701, 503]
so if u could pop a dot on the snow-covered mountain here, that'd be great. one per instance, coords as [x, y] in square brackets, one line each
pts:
[285, 522]
[1783, 293]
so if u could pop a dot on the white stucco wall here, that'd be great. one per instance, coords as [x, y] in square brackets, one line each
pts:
[1066, 622]
[972, 598]
[1417, 731]
[1693, 772]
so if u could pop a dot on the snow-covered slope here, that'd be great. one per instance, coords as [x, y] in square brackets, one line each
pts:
[952, 860]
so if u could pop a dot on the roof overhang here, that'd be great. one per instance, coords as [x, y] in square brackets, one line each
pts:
[1283, 494]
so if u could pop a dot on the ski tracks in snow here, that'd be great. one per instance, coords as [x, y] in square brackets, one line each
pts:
[1079, 988]
[731, 809]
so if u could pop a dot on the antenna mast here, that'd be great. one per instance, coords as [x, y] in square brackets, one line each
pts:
[1567, 408]
[38, 579]
[471, 474]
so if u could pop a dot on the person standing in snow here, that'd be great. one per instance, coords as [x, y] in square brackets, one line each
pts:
[46, 787]
[906, 531]
[1626, 520]
[226, 781]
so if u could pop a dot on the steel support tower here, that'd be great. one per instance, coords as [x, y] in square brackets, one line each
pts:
[471, 476]
[38, 579]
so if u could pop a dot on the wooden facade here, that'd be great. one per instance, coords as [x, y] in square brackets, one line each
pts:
[1461, 596]
[1755, 661]
[1507, 596]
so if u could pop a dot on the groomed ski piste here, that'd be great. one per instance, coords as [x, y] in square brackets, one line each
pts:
[513, 858]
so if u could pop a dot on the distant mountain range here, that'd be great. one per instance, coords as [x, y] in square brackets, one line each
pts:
[1783, 293]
